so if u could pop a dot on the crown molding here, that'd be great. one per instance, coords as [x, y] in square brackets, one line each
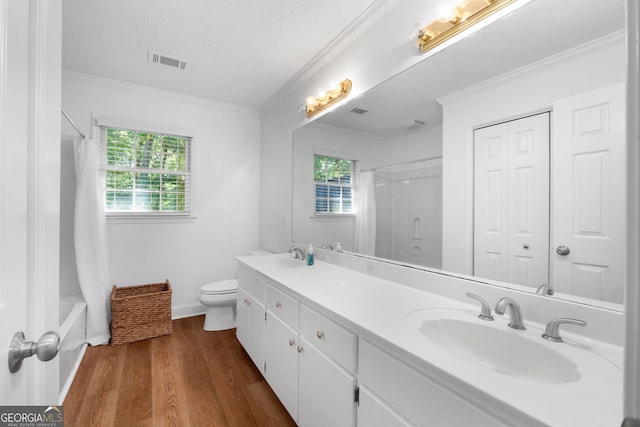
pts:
[153, 91]
[366, 20]
[613, 38]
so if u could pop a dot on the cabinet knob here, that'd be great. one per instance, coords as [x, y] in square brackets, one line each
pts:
[299, 349]
[320, 335]
[291, 342]
[278, 304]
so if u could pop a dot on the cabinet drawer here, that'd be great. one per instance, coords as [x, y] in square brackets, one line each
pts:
[252, 284]
[283, 306]
[332, 339]
[418, 398]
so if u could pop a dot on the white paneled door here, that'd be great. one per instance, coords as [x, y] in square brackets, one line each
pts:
[588, 244]
[511, 201]
[14, 71]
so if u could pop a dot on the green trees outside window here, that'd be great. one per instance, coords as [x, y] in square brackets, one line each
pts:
[146, 172]
[333, 178]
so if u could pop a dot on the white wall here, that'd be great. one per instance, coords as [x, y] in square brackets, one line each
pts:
[521, 93]
[379, 52]
[226, 161]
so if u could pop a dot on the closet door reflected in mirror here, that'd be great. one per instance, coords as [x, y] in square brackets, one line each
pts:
[513, 241]
[511, 201]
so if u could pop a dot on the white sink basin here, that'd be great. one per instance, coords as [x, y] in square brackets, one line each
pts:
[494, 346]
[287, 262]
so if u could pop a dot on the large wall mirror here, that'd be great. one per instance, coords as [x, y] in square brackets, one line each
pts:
[500, 157]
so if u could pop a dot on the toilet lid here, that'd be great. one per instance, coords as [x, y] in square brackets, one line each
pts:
[220, 288]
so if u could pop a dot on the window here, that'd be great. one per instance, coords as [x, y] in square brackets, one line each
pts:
[333, 178]
[146, 172]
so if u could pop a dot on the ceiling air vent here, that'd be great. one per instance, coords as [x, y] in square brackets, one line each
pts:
[156, 58]
[359, 110]
[412, 125]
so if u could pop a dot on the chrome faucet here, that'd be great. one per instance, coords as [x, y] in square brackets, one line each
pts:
[297, 252]
[552, 332]
[515, 314]
[545, 289]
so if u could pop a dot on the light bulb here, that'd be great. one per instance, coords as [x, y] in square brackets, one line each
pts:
[310, 101]
[447, 12]
[414, 31]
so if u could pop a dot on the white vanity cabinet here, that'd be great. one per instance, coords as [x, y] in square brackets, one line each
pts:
[309, 363]
[398, 395]
[250, 316]
[281, 362]
[327, 365]
[281, 348]
[374, 412]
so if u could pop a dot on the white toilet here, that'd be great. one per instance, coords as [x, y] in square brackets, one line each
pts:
[220, 299]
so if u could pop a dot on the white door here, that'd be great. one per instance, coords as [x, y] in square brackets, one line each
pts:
[30, 76]
[511, 201]
[373, 412]
[589, 194]
[255, 346]
[326, 391]
[281, 362]
[14, 19]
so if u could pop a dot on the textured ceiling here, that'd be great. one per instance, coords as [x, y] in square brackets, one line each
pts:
[239, 51]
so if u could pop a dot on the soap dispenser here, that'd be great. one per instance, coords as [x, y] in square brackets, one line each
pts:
[310, 255]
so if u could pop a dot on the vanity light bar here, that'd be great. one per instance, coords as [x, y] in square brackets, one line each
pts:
[464, 15]
[316, 104]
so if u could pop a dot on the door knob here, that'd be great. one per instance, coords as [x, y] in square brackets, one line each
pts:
[46, 348]
[563, 250]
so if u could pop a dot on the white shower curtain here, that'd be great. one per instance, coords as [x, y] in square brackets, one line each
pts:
[365, 206]
[90, 239]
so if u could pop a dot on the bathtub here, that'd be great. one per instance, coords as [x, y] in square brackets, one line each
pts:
[73, 329]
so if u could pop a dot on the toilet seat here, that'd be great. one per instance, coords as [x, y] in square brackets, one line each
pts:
[223, 287]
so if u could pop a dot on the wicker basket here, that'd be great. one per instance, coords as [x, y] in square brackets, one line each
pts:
[140, 312]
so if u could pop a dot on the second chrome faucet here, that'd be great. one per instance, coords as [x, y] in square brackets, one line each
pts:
[516, 321]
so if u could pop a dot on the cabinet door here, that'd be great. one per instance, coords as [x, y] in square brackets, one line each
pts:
[242, 318]
[326, 390]
[281, 362]
[256, 321]
[373, 412]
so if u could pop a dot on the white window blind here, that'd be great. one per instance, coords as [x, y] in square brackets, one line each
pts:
[333, 180]
[146, 172]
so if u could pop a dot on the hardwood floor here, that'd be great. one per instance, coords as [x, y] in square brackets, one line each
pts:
[188, 378]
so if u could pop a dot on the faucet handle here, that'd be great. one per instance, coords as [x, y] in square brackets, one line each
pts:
[485, 311]
[552, 332]
[545, 289]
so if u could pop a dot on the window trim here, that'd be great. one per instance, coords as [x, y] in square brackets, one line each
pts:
[134, 217]
[333, 216]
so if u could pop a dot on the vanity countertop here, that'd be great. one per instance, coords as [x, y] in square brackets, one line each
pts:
[382, 311]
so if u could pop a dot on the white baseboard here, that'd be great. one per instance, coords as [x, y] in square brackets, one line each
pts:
[187, 310]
